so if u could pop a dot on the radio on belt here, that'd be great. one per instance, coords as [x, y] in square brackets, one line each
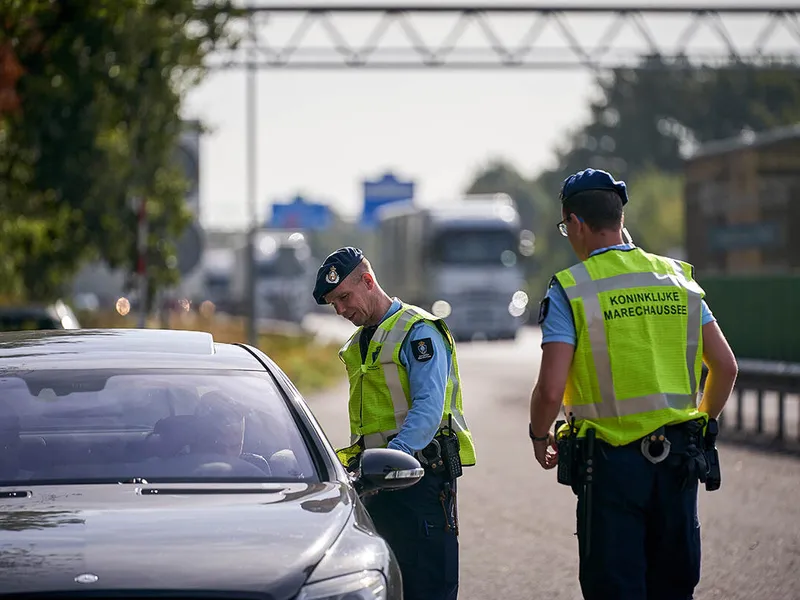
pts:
[442, 454]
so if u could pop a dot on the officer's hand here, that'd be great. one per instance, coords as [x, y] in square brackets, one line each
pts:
[546, 452]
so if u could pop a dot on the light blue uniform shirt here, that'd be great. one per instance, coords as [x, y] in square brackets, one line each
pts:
[559, 324]
[427, 381]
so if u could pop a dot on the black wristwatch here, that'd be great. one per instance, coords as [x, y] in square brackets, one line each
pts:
[534, 437]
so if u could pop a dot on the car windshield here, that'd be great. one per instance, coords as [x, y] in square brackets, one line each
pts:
[159, 425]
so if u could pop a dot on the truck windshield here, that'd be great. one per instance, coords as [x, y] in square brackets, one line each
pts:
[218, 281]
[475, 246]
[286, 262]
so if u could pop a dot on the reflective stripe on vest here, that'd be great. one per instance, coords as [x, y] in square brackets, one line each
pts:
[390, 341]
[586, 289]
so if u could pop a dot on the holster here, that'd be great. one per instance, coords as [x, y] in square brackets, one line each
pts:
[576, 468]
[442, 455]
[688, 453]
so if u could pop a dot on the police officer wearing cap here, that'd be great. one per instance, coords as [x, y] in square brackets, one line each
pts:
[624, 334]
[405, 394]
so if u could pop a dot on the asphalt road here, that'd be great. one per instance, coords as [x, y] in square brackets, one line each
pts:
[517, 523]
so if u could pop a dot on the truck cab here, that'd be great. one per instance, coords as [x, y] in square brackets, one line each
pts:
[458, 260]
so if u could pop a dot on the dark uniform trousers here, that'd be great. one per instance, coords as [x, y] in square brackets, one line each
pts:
[645, 533]
[414, 522]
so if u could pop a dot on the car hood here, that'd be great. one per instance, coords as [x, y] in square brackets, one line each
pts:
[237, 537]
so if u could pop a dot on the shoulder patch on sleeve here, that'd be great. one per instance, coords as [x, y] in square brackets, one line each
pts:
[422, 349]
[544, 306]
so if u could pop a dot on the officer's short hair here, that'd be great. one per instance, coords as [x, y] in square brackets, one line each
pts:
[599, 209]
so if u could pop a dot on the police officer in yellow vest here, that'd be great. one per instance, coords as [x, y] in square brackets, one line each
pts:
[624, 334]
[405, 394]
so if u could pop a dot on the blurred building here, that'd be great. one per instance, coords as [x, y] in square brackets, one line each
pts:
[742, 218]
[743, 204]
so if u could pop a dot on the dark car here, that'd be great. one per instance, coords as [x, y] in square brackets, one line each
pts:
[141, 463]
[37, 316]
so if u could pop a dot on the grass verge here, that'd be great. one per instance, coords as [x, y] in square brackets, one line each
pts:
[312, 366]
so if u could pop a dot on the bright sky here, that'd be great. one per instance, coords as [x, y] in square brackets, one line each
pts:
[320, 133]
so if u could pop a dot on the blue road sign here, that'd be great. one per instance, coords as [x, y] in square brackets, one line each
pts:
[299, 214]
[380, 192]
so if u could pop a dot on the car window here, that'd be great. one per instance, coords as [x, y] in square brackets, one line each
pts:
[158, 425]
[27, 322]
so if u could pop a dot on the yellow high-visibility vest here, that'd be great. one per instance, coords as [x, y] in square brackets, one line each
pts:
[379, 389]
[639, 344]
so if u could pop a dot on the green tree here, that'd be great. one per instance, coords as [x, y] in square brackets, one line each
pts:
[654, 216]
[100, 89]
[645, 117]
[639, 127]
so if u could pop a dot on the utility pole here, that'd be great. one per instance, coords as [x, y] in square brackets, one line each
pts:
[252, 216]
[141, 259]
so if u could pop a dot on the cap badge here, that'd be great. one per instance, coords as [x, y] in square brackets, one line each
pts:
[332, 276]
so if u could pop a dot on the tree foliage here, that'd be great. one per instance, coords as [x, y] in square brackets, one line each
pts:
[89, 120]
[655, 215]
[641, 125]
[648, 117]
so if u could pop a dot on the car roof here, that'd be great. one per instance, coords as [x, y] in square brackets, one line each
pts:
[121, 348]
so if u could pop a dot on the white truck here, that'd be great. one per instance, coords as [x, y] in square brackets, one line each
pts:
[458, 260]
[284, 276]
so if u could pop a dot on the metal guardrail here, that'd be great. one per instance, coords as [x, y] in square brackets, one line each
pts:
[764, 408]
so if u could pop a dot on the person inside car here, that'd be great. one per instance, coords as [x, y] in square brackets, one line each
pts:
[208, 442]
[221, 427]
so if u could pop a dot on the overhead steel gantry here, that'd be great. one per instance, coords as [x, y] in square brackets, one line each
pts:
[324, 37]
[317, 37]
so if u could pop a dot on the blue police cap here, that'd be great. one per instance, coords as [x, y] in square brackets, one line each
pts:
[336, 267]
[593, 179]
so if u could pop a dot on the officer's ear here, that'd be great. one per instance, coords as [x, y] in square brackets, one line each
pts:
[368, 280]
[579, 223]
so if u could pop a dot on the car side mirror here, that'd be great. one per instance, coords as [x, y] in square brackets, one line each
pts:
[386, 469]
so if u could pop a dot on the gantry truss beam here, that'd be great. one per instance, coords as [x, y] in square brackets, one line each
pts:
[524, 37]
